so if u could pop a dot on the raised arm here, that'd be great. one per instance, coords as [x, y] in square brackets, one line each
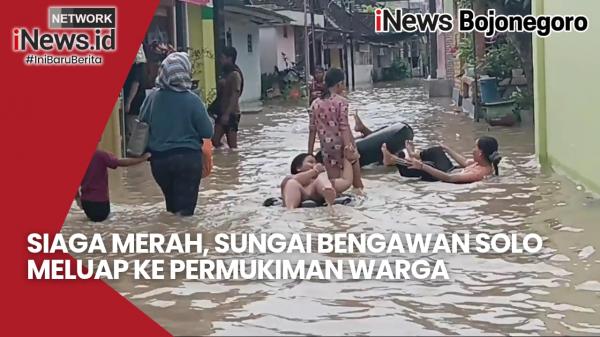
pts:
[343, 123]
[350, 151]
[460, 159]
[312, 129]
[306, 177]
[456, 178]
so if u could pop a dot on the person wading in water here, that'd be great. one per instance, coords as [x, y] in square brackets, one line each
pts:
[226, 107]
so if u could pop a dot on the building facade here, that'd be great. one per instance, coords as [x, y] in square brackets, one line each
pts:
[183, 25]
[566, 73]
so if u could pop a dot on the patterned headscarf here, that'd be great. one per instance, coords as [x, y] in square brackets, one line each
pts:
[175, 73]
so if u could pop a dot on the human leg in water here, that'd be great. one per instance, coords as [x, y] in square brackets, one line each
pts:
[389, 159]
[410, 149]
[218, 135]
[293, 193]
[323, 189]
[343, 183]
[232, 139]
[359, 126]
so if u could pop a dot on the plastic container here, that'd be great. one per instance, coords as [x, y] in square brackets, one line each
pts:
[489, 90]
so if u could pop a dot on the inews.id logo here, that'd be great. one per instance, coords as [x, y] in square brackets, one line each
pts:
[70, 29]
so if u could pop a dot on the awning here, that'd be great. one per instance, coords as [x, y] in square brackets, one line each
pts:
[257, 15]
[199, 2]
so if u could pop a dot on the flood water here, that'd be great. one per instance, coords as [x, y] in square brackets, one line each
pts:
[554, 292]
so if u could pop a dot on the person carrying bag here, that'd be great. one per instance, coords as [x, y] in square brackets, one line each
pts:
[173, 124]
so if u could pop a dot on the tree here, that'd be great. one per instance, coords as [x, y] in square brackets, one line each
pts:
[521, 41]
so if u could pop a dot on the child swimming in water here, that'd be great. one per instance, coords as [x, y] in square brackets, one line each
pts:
[309, 181]
[93, 196]
[329, 120]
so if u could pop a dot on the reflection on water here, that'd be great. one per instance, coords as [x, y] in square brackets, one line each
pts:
[555, 292]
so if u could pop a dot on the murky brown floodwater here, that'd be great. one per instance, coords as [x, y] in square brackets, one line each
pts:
[555, 292]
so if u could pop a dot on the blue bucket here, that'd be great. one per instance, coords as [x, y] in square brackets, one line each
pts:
[489, 90]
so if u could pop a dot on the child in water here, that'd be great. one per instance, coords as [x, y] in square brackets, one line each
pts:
[329, 120]
[309, 181]
[484, 162]
[93, 194]
[317, 87]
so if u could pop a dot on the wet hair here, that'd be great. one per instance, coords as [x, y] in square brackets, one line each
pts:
[332, 77]
[230, 52]
[297, 162]
[319, 157]
[489, 148]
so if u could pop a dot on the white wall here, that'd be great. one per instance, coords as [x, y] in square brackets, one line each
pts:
[285, 45]
[268, 49]
[248, 62]
[362, 72]
[272, 44]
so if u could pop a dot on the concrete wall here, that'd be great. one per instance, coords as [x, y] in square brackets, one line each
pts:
[285, 45]
[111, 137]
[335, 58]
[273, 42]
[362, 73]
[201, 37]
[441, 45]
[249, 62]
[268, 49]
[566, 88]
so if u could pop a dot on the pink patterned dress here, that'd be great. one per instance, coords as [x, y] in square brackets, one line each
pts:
[329, 118]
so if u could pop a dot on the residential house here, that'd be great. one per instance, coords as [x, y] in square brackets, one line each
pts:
[242, 26]
[182, 24]
[283, 44]
[414, 47]
[344, 38]
[566, 112]
[347, 45]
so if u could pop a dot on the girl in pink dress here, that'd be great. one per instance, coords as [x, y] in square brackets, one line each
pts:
[329, 120]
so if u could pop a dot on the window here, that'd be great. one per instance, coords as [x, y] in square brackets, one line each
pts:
[228, 38]
[249, 43]
[285, 32]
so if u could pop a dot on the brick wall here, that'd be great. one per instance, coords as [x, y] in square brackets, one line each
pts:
[448, 46]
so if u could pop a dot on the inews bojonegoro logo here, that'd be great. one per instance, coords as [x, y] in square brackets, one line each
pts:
[75, 36]
[467, 21]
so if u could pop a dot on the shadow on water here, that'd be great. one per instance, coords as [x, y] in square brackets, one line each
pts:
[555, 292]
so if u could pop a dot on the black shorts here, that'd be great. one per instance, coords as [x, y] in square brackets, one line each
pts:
[96, 211]
[433, 156]
[233, 123]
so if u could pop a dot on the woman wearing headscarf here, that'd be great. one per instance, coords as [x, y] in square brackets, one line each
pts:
[178, 122]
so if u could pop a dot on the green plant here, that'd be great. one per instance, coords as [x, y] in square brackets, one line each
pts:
[465, 50]
[399, 69]
[463, 3]
[197, 58]
[500, 60]
[523, 100]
